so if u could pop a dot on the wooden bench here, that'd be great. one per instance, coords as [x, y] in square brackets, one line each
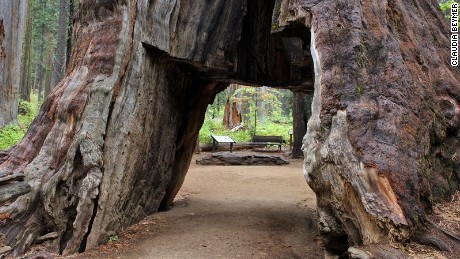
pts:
[216, 140]
[267, 141]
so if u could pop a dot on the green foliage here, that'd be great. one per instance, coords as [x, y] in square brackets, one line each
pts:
[277, 121]
[275, 129]
[271, 128]
[216, 109]
[30, 112]
[25, 107]
[11, 134]
[252, 97]
[276, 15]
[113, 239]
[44, 17]
[445, 7]
[360, 88]
[215, 127]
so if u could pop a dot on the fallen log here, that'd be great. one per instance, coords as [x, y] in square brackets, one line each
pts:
[223, 158]
[237, 146]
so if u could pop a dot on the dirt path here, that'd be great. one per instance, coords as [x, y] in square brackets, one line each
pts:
[228, 212]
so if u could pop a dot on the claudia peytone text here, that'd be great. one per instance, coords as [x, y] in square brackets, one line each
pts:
[454, 35]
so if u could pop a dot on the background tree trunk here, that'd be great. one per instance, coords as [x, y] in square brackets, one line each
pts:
[261, 105]
[40, 67]
[113, 141]
[286, 103]
[301, 112]
[73, 7]
[60, 59]
[12, 21]
[48, 69]
[25, 85]
[232, 113]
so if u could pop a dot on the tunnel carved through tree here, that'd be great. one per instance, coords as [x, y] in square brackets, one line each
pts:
[113, 141]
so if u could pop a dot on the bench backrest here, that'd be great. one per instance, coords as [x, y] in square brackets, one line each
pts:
[275, 139]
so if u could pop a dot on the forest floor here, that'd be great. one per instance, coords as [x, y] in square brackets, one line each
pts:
[244, 212]
[228, 212]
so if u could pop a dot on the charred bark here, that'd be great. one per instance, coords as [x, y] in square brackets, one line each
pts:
[114, 139]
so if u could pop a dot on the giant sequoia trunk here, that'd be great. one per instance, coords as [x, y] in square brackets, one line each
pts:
[383, 140]
[12, 20]
[113, 141]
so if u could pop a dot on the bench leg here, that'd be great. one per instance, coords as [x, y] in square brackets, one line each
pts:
[231, 147]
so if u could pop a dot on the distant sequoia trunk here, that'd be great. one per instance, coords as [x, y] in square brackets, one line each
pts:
[301, 112]
[12, 23]
[60, 62]
[232, 113]
[113, 141]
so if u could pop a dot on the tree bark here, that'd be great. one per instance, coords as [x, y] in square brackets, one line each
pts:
[25, 86]
[12, 20]
[285, 98]
[113, 141]
[381, 143]
[48, 69]
[232, 112]
[262, 107]
[73, 8]
[301, 112]
[226, 158]
[60, 62]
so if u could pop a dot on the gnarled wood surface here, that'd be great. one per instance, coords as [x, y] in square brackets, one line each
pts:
[113, 141]
[225, 158]
[384, 133]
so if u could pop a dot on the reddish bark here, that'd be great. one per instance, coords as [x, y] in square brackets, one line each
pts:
[114, 139]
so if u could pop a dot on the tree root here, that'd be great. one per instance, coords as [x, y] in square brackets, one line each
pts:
[448, 233]
[433, 241]
[39, 255]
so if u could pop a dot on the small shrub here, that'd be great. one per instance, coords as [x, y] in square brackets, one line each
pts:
[276, 120]
[11, 134]
[113, 239]
[25, 107]
[445, 8]
[270, 128]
